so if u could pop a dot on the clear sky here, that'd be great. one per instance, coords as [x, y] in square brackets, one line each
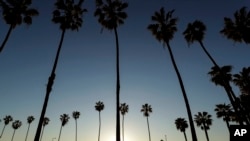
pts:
[86, 72]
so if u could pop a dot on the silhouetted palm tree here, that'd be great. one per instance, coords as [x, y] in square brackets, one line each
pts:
[64, 119]
[45, 122]
[124, 110]
[224, 111]
[242, 80]
[195, 32]
[238, 29]
[15, 12]
[163, 29]
[203, 120]
[181, 124]
[16, 124]
[7, 120]
[30, 119]
[99, 107]
[146, 109]
[110, 15]
[69, 16]
[76, 115]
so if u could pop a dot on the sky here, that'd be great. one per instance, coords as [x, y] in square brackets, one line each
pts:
[86, 72]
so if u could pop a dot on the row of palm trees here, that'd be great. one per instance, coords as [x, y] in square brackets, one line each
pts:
[68, 14]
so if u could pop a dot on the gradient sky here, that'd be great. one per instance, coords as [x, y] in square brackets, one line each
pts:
[86, 72]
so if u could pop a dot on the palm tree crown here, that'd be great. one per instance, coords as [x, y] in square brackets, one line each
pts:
[99, 106]
[76, 115]
[164, 25]
[16, 124]
[146, 109]
[243, 80]
[238, 29]
[30, 119]
[220, 75]
[68, 14]
[203, 120]
[45, 121]
[181, 124]
[195, 32]
[64, 119]
[7, 119]
[124, 108]
[111, 13]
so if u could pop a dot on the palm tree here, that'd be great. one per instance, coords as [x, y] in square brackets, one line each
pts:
[238, 29]
[124, 110]
[30, 119]
[69, 16]
[110, 15]
[203, 120]
[45, 122]
[99, 106]
[7, 120]
[242, 80]
[224, 111]
[163, 29]
[15, 13]
[181, 124]
[146, 109]
[16, 124]
[195, 32]
[76, 115]
[64, 119]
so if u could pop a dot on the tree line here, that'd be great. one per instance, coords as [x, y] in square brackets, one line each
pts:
[111, 14]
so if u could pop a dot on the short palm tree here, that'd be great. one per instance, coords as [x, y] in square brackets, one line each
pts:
[195, 32]
[99, 106]
[181, 124]
[45, 122]
[203, 120]
[76, 115]
[16, 12]
[146, 109]
[30, 119]
[238, 29]
[64, 119]
[16, 124]
[110, 15]
[163, 29]
[7, 120]
[224, 111]
[124, 110]
[69, 16]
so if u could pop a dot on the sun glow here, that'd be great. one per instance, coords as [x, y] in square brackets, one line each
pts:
[113, 138]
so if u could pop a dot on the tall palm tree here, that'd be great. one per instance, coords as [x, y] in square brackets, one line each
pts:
[99, 106]
[64, 119]
[238, 29]
[16, 12]
[203, 120]
[110, 15]
[163, 29]
[69, 16]
[30, 119]
[224, 111]
[16, 124]
[76, 115]
[124, 110]
[181, 124]
[45, 122]
[242, 80]
[146, 109]
[7, 120]
[195, 32]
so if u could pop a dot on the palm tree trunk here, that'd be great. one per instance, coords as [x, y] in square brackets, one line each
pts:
[123, 127]
[118, 138]
[76, 129]
[205, 132]
[226, 85]
[194, 137]
[49, 88]
[60, 133]
[185, 136]
[99, 126]
[228, 127]
[3, 130]
[148, 130]
[27, 132]
[42, 134]
[6, 38]
[13, 135]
